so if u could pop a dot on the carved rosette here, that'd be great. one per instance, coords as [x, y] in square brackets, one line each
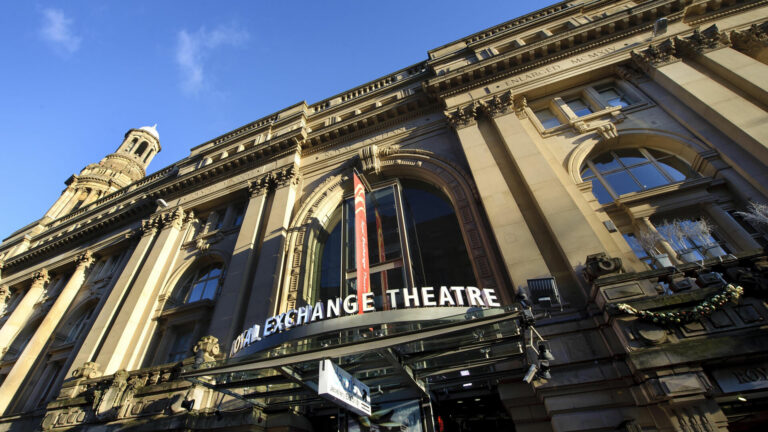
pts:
[752, 40]
[701, 42]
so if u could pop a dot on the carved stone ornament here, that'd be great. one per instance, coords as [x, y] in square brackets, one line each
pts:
[5, 294]
[464, 116]
[753, 39]
[286, 176]
[174, 218]
[206, 350]
[87, 371]
[84, 259]
[700, 42]
[40, 277]
[607, 132]
[150, 226]
[369, 158]
[656, 55]
[499, 105]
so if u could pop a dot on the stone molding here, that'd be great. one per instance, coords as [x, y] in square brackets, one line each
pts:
[753, 38]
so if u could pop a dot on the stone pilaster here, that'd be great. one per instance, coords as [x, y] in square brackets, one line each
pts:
[18, 318]
[124, 342]
[236, 289]
[516, 242]
[34, 348]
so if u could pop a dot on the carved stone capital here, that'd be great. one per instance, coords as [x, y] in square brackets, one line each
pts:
[287, 176]
[40, 277]
[464, 116]
[206, 350]
[701, 42]
[87, 371]
[752, 39]
[150, 226]
[655, 55]
[5, 294]
[84, 259]
[174, 218]
[500, 104]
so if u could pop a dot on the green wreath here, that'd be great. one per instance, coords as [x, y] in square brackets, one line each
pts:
[705, 308]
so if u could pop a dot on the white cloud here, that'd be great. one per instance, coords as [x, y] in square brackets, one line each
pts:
[57, 30]
[193, 48]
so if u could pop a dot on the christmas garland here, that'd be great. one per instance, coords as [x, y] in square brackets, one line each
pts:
[703, 309]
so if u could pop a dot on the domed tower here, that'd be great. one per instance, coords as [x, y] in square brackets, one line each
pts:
[117, 170]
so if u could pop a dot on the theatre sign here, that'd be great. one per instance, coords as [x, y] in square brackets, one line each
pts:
[444, 296]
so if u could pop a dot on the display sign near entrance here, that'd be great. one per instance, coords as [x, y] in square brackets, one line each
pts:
[743, 378]
[444, 296]
[339, 386]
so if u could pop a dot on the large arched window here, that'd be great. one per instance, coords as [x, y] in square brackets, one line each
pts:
[622, 171]
[201, 284]
[414, 240]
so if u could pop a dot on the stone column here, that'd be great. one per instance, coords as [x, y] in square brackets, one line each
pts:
[742, 120]
[736, 232]
[23, 310]
[265, 296]
[518, 247]
[108, 308]
[121, 347]
[575, 229]
[24, 363]
[235, 293]
[667, 248]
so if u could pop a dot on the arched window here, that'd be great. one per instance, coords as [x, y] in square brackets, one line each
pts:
[414, 240]
[201, 284]
[622, 171]
[142, 148]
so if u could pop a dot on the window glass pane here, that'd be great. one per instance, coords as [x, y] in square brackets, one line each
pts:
[605, 162]
[649, 176]
[196, 292]
[330, 265]
[182, 343]
[586, 173]
[622, 182]
[239, 215]
[214, 272]
[547, 119]
[210, 289]
[613, 97]
[579, 107]
[437, 247]
[676, 169]
[600, 192]
[630, 156]
[383, 231]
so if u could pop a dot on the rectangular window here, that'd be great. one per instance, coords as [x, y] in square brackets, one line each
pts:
[611, 96]
[578, 106]
[181, 347]
[547, 119]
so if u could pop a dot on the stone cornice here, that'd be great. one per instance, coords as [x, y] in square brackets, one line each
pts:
[555, 47]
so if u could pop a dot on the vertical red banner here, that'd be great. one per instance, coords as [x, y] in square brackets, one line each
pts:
[361, 244]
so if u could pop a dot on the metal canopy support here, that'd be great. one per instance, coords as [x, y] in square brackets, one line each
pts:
[404, 370]
[295, 377]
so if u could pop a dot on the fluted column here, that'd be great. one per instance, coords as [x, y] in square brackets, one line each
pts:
[109, 307]
[39, 339]
[123, 344]
[235, 293]
[24, 309]
[516, 242]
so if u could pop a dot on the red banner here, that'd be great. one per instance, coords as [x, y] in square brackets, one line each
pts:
[361, 244]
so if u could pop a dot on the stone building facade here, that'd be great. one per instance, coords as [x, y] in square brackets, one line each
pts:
[565, 234]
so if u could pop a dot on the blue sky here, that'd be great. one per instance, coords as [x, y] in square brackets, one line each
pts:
[77, 75]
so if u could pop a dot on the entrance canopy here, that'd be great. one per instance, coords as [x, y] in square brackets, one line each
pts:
[454, 354]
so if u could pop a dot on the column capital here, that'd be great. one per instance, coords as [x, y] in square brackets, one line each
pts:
[701, 42]
[150, 226]
[464, 116]
[288, 175]
[754, 37]
[173, 219]
[84, 259]
[656, 56]
[40, 277]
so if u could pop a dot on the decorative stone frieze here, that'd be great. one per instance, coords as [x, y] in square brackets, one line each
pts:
[701, 42]
[752, 39]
